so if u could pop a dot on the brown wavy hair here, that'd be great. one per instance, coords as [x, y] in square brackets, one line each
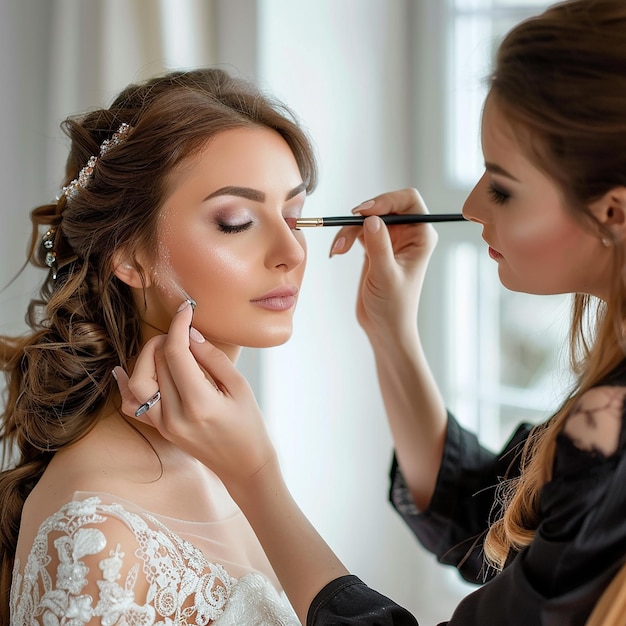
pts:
[560, 80]
[85, 321]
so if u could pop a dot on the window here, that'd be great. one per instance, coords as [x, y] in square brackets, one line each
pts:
[475, 26]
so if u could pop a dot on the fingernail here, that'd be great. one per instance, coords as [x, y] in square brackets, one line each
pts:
[368, 204]
[372, 223]
[196, 336]
[183, 306]
[114, 373]
[337, 246]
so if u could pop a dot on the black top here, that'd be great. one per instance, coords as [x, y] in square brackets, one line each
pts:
[555, 581]
[348, 600]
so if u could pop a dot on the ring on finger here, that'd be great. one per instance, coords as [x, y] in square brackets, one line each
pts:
[146, 406]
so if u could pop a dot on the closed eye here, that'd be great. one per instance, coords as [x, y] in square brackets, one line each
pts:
[234, 228]
[497, 195]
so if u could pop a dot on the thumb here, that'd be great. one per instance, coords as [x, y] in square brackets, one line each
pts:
[378, 248]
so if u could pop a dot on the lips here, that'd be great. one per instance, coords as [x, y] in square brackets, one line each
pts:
[494, 254]
[279, 299]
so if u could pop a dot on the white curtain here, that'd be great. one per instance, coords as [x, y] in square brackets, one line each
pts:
[61, 57]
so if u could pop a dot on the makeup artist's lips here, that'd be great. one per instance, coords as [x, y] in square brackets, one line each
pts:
[281, 299]
[494, 254]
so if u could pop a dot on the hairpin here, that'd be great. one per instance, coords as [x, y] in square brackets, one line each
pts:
[51, 256]
[85, 174]
[57, 253]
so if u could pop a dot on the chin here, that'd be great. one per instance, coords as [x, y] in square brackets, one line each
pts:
[269, 343]
[270, 339]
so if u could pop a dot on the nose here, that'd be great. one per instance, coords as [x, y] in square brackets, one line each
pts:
[286, 247]
[476, 208]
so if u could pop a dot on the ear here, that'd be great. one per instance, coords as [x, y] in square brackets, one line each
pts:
[127, 270]
[610, 211]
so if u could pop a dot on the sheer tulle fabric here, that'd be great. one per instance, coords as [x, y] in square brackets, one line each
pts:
[100, 556]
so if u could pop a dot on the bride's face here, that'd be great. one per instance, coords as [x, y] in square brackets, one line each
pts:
[225, 239]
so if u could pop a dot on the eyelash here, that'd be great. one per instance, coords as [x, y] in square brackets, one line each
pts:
[234, 228]
[498, 196]
[239, 228]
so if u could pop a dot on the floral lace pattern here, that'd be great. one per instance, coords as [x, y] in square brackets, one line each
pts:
[184, 588]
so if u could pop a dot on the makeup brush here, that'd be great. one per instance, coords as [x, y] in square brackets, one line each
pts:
[357, 220]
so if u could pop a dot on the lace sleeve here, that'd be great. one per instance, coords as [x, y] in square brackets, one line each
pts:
[94, 563]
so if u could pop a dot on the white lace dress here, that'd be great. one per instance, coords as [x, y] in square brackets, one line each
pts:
[100, 560]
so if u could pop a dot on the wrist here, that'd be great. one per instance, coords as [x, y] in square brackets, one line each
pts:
[394, 337]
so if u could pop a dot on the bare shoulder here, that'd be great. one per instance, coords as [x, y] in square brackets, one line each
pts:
[92, 464]
[595, 422]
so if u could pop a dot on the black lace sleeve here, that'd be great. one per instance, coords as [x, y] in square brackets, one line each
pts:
[454, 525]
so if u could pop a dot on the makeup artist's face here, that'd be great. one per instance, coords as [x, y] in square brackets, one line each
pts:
[538, 246]
[225, 241]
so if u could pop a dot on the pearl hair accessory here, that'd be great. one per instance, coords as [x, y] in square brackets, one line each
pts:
[50, 240]
[84, 176]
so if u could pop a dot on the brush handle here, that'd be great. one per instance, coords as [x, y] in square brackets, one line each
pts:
[357, 220]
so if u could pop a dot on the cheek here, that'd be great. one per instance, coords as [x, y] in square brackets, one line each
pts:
[212, 264]
[540, 236]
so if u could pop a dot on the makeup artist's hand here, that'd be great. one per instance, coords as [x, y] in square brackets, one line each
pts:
[396, 259]
[219, 423]
[395, 263]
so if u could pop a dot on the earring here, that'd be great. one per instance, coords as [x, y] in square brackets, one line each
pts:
[606, 242]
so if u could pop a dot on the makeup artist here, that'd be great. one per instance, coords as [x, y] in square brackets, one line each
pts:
[541, 525]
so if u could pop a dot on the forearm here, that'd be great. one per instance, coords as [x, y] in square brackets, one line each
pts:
[415, 410]
[302, 560]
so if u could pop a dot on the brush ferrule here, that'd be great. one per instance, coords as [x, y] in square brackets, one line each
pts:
[309, 222]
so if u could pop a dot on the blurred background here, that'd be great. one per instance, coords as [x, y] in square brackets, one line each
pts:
[391, 92]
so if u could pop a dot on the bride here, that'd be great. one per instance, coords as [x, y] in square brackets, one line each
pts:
[180, 198]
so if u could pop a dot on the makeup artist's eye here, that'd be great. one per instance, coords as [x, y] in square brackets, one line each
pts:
[497, 195]
[233, 228]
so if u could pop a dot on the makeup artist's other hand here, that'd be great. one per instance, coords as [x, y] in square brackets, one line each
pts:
[395, 263]
[219, 423]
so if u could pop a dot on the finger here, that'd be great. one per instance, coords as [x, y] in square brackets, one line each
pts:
[406, 200]
[171, 407]
[143, 381]
[378, 248]
[128, 398]
[344, 239]
[402, 201]
[131, 405]
[187, 376]
[221, 369]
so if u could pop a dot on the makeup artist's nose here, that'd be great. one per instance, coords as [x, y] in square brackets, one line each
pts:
[284, 249]
[476, 207]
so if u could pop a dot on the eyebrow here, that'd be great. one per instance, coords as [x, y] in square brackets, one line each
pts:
[252, 194]
[496, 169]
